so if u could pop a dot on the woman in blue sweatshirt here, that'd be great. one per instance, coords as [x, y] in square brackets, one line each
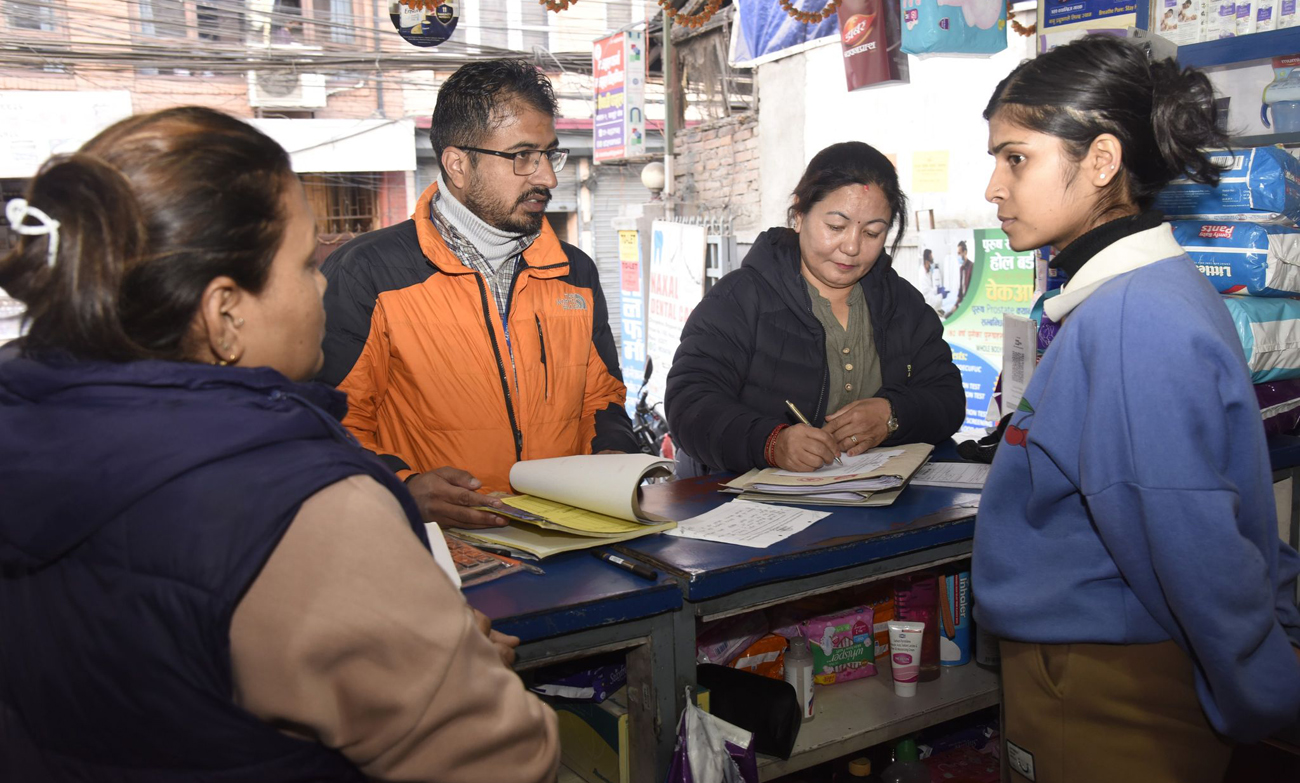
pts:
[1127, 543]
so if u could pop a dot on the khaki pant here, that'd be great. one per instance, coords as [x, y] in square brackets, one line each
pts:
[1104, 713]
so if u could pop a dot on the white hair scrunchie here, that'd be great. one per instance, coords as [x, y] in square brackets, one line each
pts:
[18, 210]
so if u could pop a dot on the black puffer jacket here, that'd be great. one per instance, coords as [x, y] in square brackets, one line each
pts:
[754, 343]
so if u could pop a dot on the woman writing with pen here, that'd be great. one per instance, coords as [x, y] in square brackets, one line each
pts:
[815, 346]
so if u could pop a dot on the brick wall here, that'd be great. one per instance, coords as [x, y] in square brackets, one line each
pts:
[716, 168]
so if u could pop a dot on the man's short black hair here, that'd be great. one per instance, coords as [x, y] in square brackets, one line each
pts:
[470, 102]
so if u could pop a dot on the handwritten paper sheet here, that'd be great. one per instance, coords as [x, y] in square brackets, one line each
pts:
[863, 463]
[962, 475]
[745, 523]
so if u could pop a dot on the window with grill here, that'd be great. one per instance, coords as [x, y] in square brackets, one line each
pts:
[30, 15]
[162, 19]
[221, 21]
[344, 203]
[334, 21]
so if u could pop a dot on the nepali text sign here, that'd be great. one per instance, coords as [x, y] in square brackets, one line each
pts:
[983, 279]
[1057, 14]
[618, 64]
[633, 298]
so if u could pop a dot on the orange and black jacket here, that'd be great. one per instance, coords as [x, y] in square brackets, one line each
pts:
[432, 376]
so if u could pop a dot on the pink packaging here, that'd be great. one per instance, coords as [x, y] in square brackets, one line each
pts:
[843, 645]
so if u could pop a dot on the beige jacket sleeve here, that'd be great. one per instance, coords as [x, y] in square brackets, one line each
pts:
[352, 636]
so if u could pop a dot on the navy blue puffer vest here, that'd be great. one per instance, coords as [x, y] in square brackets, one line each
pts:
[138, 502]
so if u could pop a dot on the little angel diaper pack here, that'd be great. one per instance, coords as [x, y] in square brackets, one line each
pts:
[975, 27]
[1248, 259]
[1260, 185]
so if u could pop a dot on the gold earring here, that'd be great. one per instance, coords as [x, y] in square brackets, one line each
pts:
[220, 362]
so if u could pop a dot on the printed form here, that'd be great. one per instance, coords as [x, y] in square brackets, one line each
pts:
[745, 523]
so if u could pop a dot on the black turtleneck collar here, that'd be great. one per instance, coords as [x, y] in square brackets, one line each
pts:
[1080, 251]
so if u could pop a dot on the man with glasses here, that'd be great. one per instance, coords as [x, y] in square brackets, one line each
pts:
[470, 337]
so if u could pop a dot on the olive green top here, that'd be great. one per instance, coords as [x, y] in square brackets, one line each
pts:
[850, 353]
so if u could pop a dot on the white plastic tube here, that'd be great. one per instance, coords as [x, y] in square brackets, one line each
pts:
[905, 655]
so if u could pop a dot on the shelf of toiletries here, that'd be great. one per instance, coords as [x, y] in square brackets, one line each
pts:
[1220, 32]
[1266, 140]
[1226, 51]
[858, 714]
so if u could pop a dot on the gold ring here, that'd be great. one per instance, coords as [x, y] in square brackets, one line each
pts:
[853, 438]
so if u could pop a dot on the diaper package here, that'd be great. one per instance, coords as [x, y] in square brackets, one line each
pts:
[954, 26]
[1262, 185]
[1270, 335]
[843, 646]
[1248, 259]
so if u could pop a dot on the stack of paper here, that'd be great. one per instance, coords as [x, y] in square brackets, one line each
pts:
[572, 503]
[873, 478]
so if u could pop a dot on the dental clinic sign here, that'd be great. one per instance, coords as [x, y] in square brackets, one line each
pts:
[618, 64]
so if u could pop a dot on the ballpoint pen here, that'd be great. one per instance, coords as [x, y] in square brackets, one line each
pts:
[626, 565]
[798, 414]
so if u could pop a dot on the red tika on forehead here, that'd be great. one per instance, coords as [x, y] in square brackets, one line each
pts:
[867, 188]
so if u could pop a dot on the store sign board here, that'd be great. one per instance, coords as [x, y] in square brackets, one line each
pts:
[1055, 14]
[632, 296]
[618, 65]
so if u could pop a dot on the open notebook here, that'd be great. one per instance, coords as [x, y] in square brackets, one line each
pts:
[873, 478]
[569, 503]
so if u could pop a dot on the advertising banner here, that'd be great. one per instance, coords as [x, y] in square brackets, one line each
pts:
[676, 286]
[979, 279]
[871, 39]
[618, 64]
[633, 297]
[1058, 14]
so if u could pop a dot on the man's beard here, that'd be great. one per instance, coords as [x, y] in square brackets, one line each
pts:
[503, 217]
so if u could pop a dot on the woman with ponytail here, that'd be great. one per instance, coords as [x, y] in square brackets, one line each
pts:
[1126, 546]
[202, 575]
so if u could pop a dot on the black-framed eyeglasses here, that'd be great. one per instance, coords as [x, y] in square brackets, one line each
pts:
[527, 161]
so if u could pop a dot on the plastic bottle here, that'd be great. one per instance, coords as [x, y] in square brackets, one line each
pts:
[916, 599]
[907, 767]
[799, 673]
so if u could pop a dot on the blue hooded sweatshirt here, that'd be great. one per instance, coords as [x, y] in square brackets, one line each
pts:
[1131, 501]
[138, 502]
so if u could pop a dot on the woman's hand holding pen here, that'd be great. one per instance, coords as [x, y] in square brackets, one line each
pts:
[860, 425]
[804, 448]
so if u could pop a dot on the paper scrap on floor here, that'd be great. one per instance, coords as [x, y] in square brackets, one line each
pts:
[961, 475]
[744, 523]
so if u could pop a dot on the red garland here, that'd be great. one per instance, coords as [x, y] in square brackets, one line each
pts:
[697, 20]
[808, 17]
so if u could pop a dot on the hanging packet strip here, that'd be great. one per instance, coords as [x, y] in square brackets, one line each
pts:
[937, 27]
[1248, 259]
[1260, 185]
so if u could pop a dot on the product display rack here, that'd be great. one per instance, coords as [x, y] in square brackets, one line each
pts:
[1241, 49]
[856, 715]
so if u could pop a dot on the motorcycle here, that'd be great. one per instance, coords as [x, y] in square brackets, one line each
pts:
[648, 425]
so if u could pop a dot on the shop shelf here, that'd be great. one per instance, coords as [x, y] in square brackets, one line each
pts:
[1227, 51]
[1268, 139]
[858, 714]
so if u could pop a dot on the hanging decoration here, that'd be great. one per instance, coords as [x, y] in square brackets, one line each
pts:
[1017, 26]
[556, 5]
[810, 17]
[694, 20]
